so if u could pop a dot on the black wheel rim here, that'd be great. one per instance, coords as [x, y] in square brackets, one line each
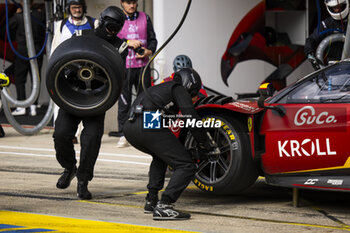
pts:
[83, 84]
[213, 169]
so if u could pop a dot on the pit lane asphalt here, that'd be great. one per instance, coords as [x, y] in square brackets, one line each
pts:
[29, 200]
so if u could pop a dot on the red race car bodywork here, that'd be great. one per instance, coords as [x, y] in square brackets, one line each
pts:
[303, 146]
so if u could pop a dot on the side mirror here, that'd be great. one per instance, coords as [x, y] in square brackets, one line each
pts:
[266, 90]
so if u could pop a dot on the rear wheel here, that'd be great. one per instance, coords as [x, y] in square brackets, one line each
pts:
[233, 170]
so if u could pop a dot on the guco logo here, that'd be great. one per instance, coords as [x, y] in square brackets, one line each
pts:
[307, 115]
[151, 120]
[293, 148]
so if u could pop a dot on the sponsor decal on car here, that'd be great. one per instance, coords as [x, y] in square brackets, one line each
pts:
[308, 116]
[311, 181]
[244, 106]
[175, 127]
[334, 182]
[308, 147]
[250, 124]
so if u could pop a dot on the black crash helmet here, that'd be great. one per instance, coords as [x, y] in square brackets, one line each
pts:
[75, 2]
[113, 19]
[189, 79]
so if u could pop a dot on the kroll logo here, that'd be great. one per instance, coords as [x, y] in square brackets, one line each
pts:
[307, 115]
[293, 148]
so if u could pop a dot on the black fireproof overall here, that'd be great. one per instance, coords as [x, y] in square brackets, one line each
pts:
[162, 144]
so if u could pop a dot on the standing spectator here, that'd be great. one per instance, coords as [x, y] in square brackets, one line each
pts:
[141, 38]
[110, 23]
[77, 20]
[16, 26]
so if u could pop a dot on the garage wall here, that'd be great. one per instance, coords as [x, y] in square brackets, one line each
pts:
[95, 7]
[204, 38]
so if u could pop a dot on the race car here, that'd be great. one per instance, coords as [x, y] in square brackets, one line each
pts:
[296, 138]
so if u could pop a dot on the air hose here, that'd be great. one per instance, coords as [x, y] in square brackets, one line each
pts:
[35, 79]
[159, 50]
[9, 37]
[338, 37]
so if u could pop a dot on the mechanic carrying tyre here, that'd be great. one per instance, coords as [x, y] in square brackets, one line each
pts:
[170, 98]
[336, 23]
[111, 22]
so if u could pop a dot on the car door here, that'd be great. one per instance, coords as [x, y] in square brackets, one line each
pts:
[313, 136]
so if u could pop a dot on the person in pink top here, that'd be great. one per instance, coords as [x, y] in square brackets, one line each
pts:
[139, 33]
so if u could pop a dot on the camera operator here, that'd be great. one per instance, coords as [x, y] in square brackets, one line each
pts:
[139, 33]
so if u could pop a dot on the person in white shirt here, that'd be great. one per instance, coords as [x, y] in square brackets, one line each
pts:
[77, 20]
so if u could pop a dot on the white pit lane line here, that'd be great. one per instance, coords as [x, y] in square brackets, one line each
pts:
[53, 156]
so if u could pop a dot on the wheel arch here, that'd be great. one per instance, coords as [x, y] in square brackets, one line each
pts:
[223, 111]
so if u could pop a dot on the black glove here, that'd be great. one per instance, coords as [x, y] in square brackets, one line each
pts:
[315, 62]
[210, 146]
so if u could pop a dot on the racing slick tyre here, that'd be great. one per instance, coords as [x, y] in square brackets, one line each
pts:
[233, 170]
[85, 75]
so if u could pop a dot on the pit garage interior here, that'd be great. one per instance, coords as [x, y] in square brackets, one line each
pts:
[205, 36]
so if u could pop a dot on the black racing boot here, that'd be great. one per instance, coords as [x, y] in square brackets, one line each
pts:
[66, 177]
[150, 204]
[82, 190]
[167, 212]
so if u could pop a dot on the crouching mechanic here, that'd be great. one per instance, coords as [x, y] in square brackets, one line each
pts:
[170, 97]
[110, 23]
